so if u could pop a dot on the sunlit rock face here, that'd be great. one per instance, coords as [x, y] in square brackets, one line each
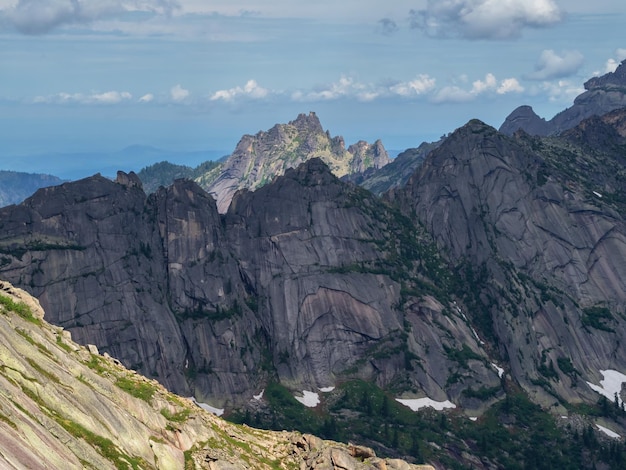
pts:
[259, 158]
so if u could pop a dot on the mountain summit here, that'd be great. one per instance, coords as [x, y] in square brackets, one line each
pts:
[603, 94]
[259, 158]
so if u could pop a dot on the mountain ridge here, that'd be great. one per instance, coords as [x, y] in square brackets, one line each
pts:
[16, 186]
[602, 95]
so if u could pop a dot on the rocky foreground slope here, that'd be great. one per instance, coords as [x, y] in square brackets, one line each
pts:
[65, 406]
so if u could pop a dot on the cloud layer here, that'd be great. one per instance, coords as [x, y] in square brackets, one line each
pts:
[484, 19]
[552, 65]
[108, 97]
[422, 87]
[42, 16]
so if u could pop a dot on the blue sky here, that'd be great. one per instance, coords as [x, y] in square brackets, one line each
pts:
[100, 75]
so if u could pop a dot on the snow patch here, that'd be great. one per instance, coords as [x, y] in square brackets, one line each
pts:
[608, 432]
[209, 408]
[611, 384]
[416, 403]
[259, 396]
[327, 389]
[480, 341]
[309, 399]
[500, 370]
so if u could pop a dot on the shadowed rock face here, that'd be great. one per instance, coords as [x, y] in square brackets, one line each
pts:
[602, 95]
[306, 272]
[132, 274]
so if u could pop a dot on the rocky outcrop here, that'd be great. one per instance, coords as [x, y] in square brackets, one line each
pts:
[258, 159]
[602, 95]
[62, 406]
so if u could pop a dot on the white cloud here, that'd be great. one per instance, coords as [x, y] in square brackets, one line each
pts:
[610, 66]
[42, 16]
[178, 93]
[480, 86]
[490, 84]
[613, 63]
[561, 91]
[146, 98]
[422, 84]
[350, 88]
[509, 85]
[551, 65]
[250, 90]
[109, 97]
[484, 19]
[345, 87]
[452, 94]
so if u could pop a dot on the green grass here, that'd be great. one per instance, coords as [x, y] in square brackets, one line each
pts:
[7, 420]
[24, 334]
[48, 375]
[178, 417]
[62, 345]
[97, 364]
[20, 308]
[103, 445]
[139, 389]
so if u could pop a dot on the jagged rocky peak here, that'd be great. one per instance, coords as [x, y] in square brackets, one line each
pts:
[259, 158]
[524, 117]
[368, 155]
[130, 180]
[616, 79]
[602, 95]
[307, 122]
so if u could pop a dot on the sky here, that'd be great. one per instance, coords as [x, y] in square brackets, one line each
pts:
[195, 75]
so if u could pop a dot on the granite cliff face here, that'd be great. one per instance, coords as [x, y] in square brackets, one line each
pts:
[602, 95]
[308, 273]
[258, 159]
[499, 266]
[65, 406]
[541, 224]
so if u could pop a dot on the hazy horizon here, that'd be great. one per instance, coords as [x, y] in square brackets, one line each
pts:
[191, 76]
